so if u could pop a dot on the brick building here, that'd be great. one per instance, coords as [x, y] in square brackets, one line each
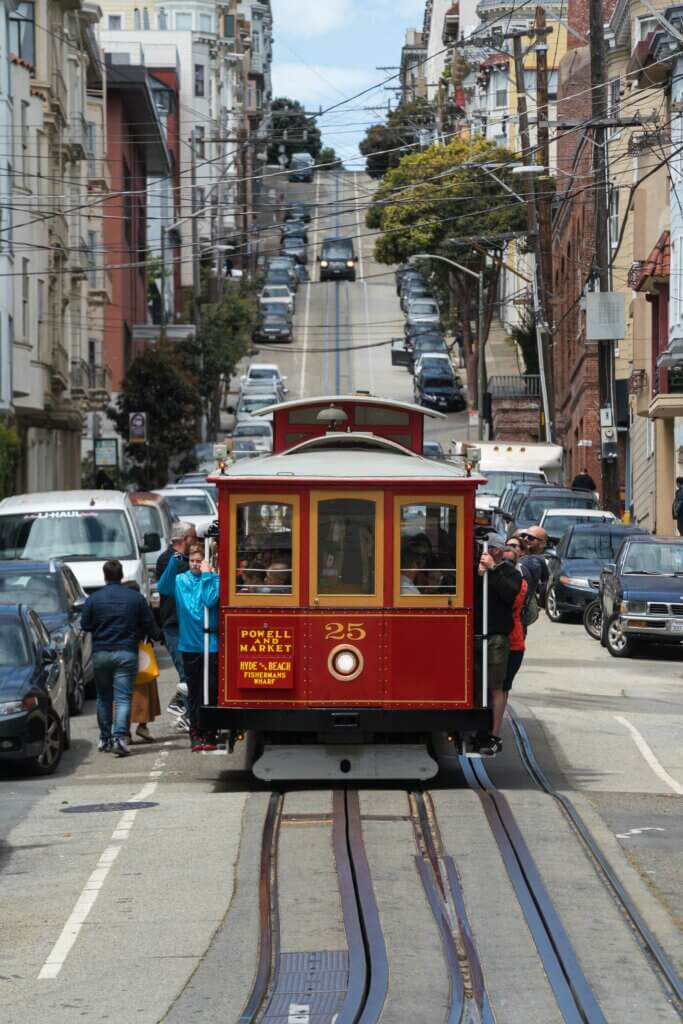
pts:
[136, 149]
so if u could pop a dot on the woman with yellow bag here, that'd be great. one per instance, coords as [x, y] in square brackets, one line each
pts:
[145, 705]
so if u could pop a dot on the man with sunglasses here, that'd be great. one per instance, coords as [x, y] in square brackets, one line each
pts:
[533, 565]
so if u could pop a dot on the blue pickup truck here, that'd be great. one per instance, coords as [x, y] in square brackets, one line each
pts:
[642, 595]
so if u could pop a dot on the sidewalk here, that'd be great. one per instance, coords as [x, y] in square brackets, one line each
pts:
[501, 353]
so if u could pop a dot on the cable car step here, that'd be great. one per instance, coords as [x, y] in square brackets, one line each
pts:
[345, 763]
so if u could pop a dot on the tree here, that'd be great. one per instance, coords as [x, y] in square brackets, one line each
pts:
[224, 336]
[158, 383]
[385, 144]
[292, 129]
[435, 199]
[377, 148]
[329, 159]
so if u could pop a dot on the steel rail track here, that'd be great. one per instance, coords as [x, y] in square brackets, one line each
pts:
[573, 994]
[366, 967]
[653, 951]
[469, 1000]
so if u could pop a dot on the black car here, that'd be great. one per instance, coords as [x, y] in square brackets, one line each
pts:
[34, 708]
[529, 508]
[275, 326]
[642, 594]
[337, 260]
[301, 167]
[52, 590]
[439, 391]
[574, 567]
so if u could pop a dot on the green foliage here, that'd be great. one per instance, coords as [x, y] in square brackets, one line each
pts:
[158, 382]
[9, 457]
[222, 339]
[445, 200]
[302, 133]
[329, 157]
[377, 148]
[385, 144]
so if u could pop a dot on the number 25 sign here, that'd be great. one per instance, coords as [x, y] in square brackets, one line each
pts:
[344, 631]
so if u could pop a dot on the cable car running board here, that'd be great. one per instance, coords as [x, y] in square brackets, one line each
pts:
[345, 762]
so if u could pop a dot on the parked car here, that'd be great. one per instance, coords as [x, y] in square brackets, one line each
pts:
[414, 289]
[422, 311]
[278, 293]
[337, 259]
[52, 591]
[249, 404]
[294, 245]
[433, 450]
[293, 228]
[556, 521]
[530, 506]
[264, 387]
[280, 270]
[298, 211]
[273, 326]
[191, 504]
[574, 567]
[301, 167]
[83, 528]
[276, 309]
[433, 361]
[264, 371]
[439, 391]
[259, 431]
[34, 710]
[642, 594]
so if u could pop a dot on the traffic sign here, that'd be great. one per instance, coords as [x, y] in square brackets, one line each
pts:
[106, 452]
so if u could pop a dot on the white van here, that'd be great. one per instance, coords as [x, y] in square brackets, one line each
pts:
[506, 462]
[83, 528]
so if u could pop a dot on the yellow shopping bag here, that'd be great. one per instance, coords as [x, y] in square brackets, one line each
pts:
[148, 670]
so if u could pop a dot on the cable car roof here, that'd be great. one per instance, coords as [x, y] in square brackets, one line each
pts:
[360, 441]
[322, 463]
[357, 399]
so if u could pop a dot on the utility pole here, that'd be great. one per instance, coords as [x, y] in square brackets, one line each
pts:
[610, 476]
[540, 306]
[196, 268]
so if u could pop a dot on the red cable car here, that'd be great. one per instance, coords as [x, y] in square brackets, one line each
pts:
[347, 588]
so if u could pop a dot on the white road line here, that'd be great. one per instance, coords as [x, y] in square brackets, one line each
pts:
[650, 757]
[302, 375]
[91, 890]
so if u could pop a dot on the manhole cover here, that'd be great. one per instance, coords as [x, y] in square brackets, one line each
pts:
[129, 805]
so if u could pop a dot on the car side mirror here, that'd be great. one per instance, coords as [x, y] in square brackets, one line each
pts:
[507, 516]
[50, 655]
[610, 568]
[550, 552]
[152, 542]
[78, 605]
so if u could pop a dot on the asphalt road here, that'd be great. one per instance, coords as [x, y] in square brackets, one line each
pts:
[148, 912]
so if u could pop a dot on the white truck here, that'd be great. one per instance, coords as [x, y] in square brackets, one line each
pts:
[505, 462]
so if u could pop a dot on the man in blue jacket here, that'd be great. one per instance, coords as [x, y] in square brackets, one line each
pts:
[118, 618]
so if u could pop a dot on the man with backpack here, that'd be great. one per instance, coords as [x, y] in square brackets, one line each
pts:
[677, 507]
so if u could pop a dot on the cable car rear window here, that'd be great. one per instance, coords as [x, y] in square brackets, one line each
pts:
[346, 546]
[428, 553]
[264, 548]
[87, 535]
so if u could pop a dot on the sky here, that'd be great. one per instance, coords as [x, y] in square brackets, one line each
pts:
[327, 50]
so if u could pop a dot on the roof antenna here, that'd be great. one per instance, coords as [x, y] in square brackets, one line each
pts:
[333, 417]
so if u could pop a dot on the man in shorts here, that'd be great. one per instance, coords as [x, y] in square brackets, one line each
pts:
[504, 584]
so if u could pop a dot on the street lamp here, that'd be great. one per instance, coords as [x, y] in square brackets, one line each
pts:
[481, 388]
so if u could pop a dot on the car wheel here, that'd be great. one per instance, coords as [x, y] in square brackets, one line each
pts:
[592, 620]
[551, 608]
[47, 761]
[77, 692]
[617, 642]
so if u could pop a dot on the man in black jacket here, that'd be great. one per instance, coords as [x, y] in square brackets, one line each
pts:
[118, 618]
[182, 535]
[504, 584]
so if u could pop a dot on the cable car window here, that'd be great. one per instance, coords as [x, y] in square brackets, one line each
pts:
[428, 550]
[374, 416]
[309, 414]
[264, 548]
[346, 546]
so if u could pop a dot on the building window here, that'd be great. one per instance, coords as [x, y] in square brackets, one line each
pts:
[163, 20]
[127, 204]
[552, 86]
[145, 18]
[40, 141]
[183, 22]
[255, 42]
[199, 144]
[25, 295]
[115, 22]
[8, 234]
[22, 33]
[205, 23]
[91, 148]
[501, 87]
[92, 259]
[228, 26]
[614, 101]
[199, 82]
[24, 143]
[41, 320]
[643, 28]
[614, 223]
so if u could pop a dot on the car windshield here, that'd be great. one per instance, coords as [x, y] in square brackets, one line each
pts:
[262, 373]
[498, 479]
[273, 310]
[659, 559]
[39, 591]
[249, 405]
[190, 504]
[337, 251]
[292, 243]
[278, 275]
[423, 308]
[87, 535]
[252, 430]
[13, 650]
[301, 160]
[600, 545]
[276, 291]
[535, 505]
[148, 519]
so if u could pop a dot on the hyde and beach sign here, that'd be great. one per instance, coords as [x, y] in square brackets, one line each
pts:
[265, 658]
